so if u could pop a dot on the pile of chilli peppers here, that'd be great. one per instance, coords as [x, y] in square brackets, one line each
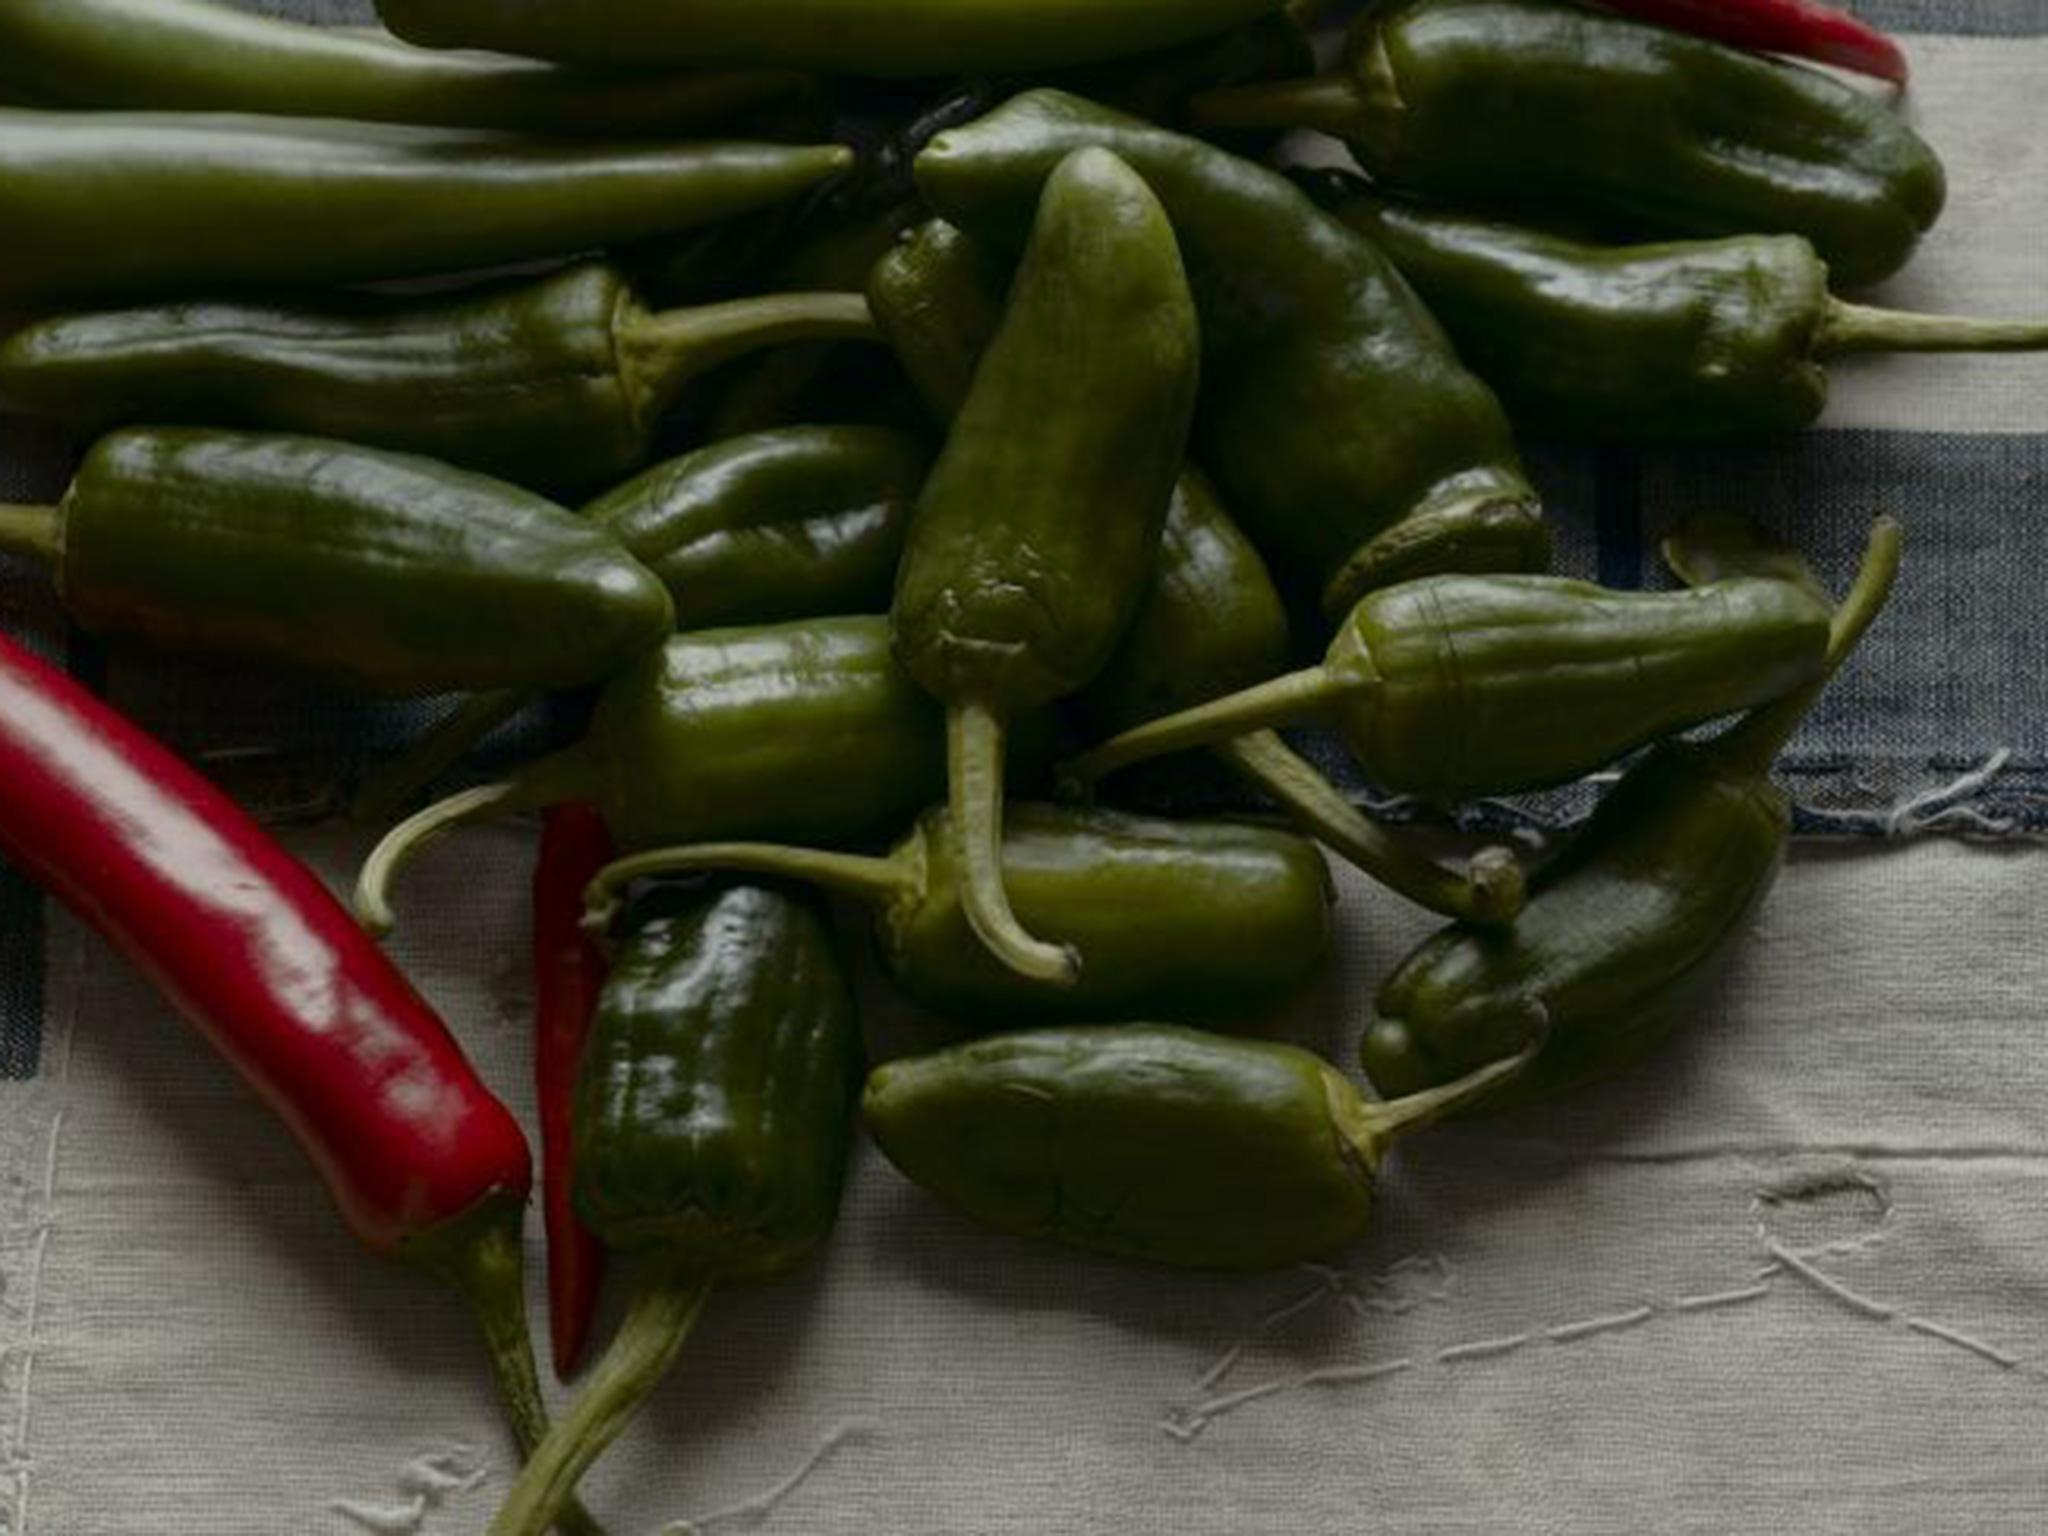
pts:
[1058, 428]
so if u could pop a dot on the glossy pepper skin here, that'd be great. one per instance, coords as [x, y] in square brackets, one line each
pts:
[1685, 340]
[1643, 131]
[1210, 921]
[557, 382]
[384, 570]
[1628, 924]
[339, 202]
[713, 1120]
[199, 56]
[1036, 534]
[1350, 441]
[1147, 1141]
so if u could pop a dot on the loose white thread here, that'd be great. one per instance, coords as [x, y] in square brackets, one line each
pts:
[1564, 1333]
[385, 1519]
[431, 1480]
[1483, 1349]
[1828, 1284]
[753, 1511]
[1962, 1341]
[1927, 810]
[1348, 1375]
[1721, 1298]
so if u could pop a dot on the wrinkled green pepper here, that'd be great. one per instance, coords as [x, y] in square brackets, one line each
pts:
[558, 382]
[713, 1117]
[1458, 686]
[380, 569]
[1036, 534]
[1647, 132]
[1149, 1142]
[1685, 340]
[1354, 446]
[199, 56]
[211, 203]
[1207, 921]
[1212, 622]
[1629, 922]
[724, 733]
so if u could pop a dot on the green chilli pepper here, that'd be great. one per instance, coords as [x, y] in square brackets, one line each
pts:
[1456, 686]
[1348, 437]
[1036, 535]
[754, 530]
[1645, 131]
[723, 734]
[198, 56]
[558, 382]
[381, 569]
[1631, 919]
[1207, 921]
[713, 1116]
[219, 202]
[1687, 340]
[1212, 622]
[1150, 1142]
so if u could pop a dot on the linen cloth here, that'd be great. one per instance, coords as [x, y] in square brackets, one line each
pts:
[1795, 1269]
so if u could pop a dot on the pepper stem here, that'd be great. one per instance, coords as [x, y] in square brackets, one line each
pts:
[660, 352]
[403, 842]
[1369, 1126]
[1328, 103]
[1489, 893]
[480, 1257]
[1849, 328]
[852, 874]
[974, 774]
[1282, 701]
[392, 787]
[32, 532]
[650, 1336]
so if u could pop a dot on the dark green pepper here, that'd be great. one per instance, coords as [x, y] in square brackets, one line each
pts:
[1035, 537]
[1648, 132]
[1629, 921]
[1692, 339]
[1348, 437]
[381, 569]
[216, 202]
[1149, 1142]
[713, 1116]
[1209, 921]
[1456, 686]
[557, 382]
[726, 733]
[1212, 622]
[199, 56]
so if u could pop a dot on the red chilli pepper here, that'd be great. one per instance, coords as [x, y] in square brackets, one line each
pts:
[425, 1164]
[568, 972]
[1803, 28]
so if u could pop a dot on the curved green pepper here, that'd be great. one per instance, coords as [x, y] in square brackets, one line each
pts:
[558, 382]
[1629, 921]
[1456, 686]
[1210, 921]
[1691, 339]
[385, 570]
[724, 734]
[220, 202]
[1647, 131]
[198, 56]
[1348, 437]
[1149, 1142]
[1038, 528]
[713, 1117]
[1212, 622]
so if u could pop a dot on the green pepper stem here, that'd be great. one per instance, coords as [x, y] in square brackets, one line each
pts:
[974, 775]
[402, 843]
[392, 787]
[1849, 328]
[1754, 744]
[651, 1335]
[660, 352]
[1369, 1126]
[479, 1255]
[1489, 893]
[852, 874]
[1282, 701]
[32, 532]
[1328, 103]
